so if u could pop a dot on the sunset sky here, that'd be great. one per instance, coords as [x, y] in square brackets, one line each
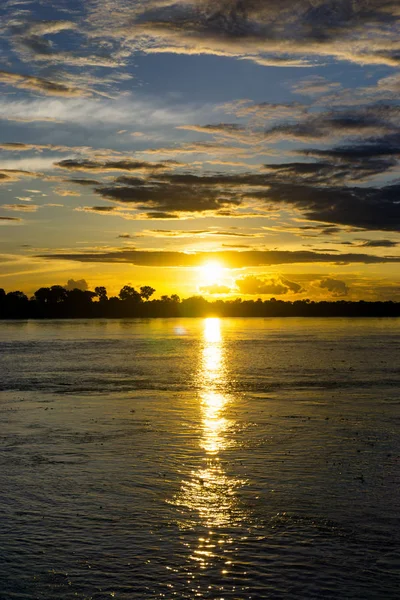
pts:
[228, 147]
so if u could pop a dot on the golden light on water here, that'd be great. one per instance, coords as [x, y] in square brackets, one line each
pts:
[210, 491]
[214, 424]
[212, 376]
[212, 331]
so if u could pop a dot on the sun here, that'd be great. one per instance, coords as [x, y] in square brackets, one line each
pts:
[211, 272]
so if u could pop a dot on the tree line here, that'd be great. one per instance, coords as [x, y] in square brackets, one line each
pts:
[56, 302]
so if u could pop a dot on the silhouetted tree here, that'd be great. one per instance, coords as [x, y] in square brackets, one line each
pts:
[129, 294]
[15, 305]
[58, 294]
[147, 291]
[78, 302]
[17, 297]
[42, 295]
[101, 293]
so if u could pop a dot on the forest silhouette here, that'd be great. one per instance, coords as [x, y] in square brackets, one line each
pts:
[57, 302]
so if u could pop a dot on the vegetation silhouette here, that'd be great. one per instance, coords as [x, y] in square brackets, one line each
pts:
[56, 302]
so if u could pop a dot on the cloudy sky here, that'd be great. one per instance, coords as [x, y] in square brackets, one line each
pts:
[221, 147]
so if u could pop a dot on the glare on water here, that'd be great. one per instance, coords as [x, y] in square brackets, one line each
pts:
[210, 491]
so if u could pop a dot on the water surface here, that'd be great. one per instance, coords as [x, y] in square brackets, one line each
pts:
[221, 459]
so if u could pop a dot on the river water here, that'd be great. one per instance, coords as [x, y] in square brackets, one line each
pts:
[200, 458]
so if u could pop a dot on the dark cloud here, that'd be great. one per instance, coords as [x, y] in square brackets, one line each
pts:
[322, 249]
[369, 149]
[9, 219]
[161, 215]
[335, 172]
[250, 258]
[378, 244]
[317, 230]
[337, 287]
[83, 181]
[171, 195]
[316, 189]
[99, 209]
[364, 207]
[377, 119]
[43, 86]
[265, 31]
[109, 165]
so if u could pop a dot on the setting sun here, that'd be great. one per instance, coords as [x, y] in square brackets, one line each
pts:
[211, 273]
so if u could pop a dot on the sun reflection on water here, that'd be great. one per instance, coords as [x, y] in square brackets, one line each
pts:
[212, 330]
[210, 494]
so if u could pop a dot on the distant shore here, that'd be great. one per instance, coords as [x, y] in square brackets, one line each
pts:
[78, 304]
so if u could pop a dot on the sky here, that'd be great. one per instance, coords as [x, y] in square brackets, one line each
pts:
[225, 148]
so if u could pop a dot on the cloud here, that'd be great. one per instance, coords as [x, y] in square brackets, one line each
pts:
[30, 41]
[374, 120]
[252, 285]
[22, 147]
[264, 111]
[190, 233]
[21, 207]
[88, 182]
[377, 147]
[9, 219]
[110, 165]
[210, 149]
[304, 125]
[237, 246]
[24, 167]
[216, 289]
[8, 175]
[315, 189]
[78, 284]
[265, 31]
[97, 209]
[66, 193]
[93, 111]
[337, 287]
[329, 172]
[231, 259]
[238, 132]
[292, 286]
[378, 244]
[43, 86]
[315, 85]
[220, 128]
[186, 194]
[364, 207]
